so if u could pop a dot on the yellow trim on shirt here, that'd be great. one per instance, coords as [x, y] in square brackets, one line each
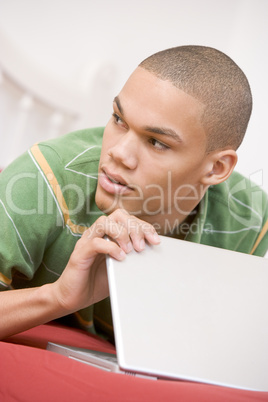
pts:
[260, 237]
[56, 189]
[82, 321]
[5, 279]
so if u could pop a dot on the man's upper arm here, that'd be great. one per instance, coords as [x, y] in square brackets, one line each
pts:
[27, 213]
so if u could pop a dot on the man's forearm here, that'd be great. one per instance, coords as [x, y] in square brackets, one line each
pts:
[26, 308]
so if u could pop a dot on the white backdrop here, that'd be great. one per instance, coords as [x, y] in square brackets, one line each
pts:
[68, 39]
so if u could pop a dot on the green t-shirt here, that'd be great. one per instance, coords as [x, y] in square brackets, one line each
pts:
[47, 199]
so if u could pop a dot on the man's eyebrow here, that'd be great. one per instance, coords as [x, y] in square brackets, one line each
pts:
[164, 131]
[118, 104]
[157, 130]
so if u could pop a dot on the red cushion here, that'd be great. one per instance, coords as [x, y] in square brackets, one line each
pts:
[30, 373]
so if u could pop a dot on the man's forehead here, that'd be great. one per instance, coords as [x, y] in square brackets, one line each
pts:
[142, 78]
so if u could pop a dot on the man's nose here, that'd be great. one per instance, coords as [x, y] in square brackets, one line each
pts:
[125, 151]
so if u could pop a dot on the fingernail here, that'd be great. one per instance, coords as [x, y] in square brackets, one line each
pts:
[142, 244]
[156, 237]
[129, 247]
[122, 255]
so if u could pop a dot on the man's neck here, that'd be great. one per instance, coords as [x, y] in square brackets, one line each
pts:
[175, 224]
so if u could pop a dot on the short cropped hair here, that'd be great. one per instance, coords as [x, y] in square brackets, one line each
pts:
[214, 79]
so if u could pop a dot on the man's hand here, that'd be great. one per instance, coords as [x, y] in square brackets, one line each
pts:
[84, 280]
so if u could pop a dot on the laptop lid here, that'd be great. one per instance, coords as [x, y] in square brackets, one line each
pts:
[188, 311]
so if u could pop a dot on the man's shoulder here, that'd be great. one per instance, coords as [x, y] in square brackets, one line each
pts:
[74, 145]
[236, 215]
[240, 195]
[74, 153]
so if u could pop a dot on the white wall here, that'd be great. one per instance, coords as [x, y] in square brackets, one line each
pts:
[68, 38]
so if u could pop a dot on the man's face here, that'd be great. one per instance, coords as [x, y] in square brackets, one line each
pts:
[154, 151]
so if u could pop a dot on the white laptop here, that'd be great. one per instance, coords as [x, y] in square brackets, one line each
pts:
[185, 311]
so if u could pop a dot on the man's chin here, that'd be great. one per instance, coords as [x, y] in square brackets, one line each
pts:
[105, 203]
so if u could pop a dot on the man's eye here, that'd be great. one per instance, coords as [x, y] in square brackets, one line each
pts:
[158, 145]
[118, 119]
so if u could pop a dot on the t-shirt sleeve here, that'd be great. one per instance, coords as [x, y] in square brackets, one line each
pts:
[29, 219]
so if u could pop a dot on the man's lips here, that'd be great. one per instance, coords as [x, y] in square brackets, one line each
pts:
[113, 183]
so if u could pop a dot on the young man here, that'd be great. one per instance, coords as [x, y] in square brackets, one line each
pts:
[165, 166]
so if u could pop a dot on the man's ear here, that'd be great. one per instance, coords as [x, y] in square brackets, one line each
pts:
[220, 165]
